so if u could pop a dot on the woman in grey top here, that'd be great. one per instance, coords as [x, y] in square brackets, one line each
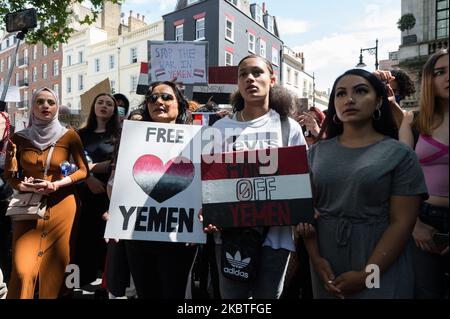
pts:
[367, 188]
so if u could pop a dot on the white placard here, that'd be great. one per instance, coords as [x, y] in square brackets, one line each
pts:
[185, 61]
[12, 95]
[157, 186]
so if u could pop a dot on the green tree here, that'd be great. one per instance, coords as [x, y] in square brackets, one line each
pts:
[54, 17]
[406, 22]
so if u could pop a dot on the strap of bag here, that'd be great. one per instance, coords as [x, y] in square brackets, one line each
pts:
[49, 158]
[285, 130]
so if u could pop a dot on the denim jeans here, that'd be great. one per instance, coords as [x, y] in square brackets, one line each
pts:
[268, 283]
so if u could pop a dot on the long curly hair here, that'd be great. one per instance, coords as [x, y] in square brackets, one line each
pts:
[280, 100]
[385, 125]
[405, 84]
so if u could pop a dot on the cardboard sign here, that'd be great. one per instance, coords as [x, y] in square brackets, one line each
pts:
[185, 61]
[157, 187]
[87, 98]
[236, 194]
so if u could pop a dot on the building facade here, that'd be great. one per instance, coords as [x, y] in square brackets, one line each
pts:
[233, 29]
[115, 58]
[429, 34]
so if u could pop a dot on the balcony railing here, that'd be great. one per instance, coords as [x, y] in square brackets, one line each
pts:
[22, 62]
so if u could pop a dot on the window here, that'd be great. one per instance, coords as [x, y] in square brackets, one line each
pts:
[270, 24]
[133, 83]
[251, 42]
[25, 76]
[34, 52]
[9, 62]
[133, 55]
[55, 68]
[200, 29]
[80, 57]
[69, 85]
[229, 29]
[56, 88]
[111, 62]
[80, 82]
[288, 77]
[442, 22]
[34, 74]
[97, 65]
[2, 65]
[258, 14]
[296, 78]
[44, 71]
[228, 58]
[69, 60]
[56, 48]
[275, 57]
[44, 50]
[25, 99]
[262, 48]
[25, 56]
[179, 33]
[235, 2]
[113, 86]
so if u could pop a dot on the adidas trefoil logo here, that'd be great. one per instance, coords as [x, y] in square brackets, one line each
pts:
[237, 261]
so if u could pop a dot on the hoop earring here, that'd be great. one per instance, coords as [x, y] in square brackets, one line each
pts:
[336, 120]
[377, 118]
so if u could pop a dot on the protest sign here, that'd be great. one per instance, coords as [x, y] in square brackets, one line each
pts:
[237, 194]
[157, 187]
[185, 61]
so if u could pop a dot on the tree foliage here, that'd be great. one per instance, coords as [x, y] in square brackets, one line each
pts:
[54, 17]
[406, 22]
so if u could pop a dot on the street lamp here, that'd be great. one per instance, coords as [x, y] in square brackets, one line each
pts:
[373, 50]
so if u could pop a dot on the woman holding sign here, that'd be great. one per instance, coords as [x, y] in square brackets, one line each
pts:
[41, 248]
[160, 270]
[368, 188]
[260, 111]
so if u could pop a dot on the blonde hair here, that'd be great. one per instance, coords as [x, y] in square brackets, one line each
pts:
[429, 108]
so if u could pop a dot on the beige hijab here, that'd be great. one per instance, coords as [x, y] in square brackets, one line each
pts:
[43, 133]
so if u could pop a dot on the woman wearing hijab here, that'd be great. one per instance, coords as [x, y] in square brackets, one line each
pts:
[41, 248]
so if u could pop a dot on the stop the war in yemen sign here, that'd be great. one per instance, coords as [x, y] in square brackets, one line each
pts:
[185, 61]
[156, 194]
[237, 194]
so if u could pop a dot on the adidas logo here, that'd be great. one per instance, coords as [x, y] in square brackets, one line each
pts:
[237, 261]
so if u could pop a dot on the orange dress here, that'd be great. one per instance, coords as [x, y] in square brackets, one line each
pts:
[41, 249]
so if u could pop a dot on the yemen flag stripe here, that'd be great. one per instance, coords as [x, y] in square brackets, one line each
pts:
[286, 160]
[268, 213]
[284, 187]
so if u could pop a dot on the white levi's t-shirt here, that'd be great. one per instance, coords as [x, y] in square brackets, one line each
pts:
[261, 133]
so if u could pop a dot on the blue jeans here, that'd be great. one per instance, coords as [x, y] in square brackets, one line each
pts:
[268, 283]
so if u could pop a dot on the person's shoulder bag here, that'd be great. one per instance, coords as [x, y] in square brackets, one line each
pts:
[29, 206]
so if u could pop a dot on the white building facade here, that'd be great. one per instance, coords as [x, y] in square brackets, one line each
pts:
[117, 58]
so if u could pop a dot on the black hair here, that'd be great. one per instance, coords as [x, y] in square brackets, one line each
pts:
[405, 84]
[280, 100]
[113, 124]
[120, 96]
[385, 125]
[183, 114]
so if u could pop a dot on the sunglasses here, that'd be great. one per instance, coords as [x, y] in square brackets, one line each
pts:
[152, 98]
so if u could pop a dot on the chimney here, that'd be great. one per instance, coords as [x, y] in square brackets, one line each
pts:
[138, 16]
[131, 13]
[264, 8]
[143, 16]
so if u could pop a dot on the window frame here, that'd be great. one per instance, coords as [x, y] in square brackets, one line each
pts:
[231, 30]
[197, 30]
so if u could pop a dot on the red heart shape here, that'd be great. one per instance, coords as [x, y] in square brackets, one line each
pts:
[160, 181]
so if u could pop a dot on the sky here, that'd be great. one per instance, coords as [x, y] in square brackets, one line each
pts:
[330, 33]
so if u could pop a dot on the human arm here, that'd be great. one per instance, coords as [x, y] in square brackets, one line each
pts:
[307, 120]
[405, 133]
[100, 167]
[403, 213]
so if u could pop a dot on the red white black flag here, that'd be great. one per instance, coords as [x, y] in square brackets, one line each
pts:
[143, 85]
[237, 194]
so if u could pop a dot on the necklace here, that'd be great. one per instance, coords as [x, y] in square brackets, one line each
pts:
[242, 116]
